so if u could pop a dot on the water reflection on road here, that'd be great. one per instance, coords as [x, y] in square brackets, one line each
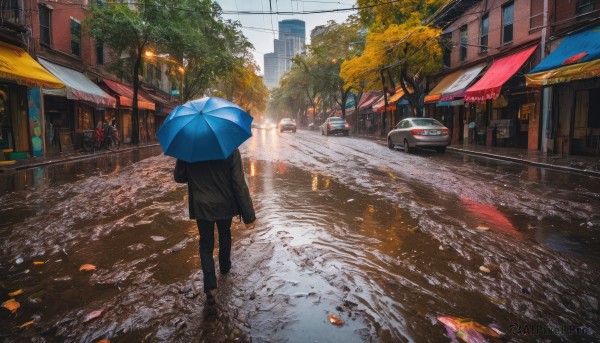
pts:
[345, 228]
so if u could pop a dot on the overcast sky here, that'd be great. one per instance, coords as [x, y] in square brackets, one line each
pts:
[261, 29]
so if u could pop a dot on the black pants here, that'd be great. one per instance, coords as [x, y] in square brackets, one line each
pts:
[207, 246]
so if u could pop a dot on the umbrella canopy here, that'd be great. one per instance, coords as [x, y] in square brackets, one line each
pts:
[204, 129]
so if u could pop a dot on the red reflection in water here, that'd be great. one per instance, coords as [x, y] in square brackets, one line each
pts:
[488, 215]
[281, 167]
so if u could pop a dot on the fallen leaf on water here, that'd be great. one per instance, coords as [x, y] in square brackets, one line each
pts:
[484, 269]
[37, 263]
[483, 228]
[15, 293]
[26, 324]
[94, 314]
[11, 304]
[103, 341]
[157, 238]
[335, 320]
[87, 267]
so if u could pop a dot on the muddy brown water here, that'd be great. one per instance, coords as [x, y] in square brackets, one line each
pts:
[340, 231]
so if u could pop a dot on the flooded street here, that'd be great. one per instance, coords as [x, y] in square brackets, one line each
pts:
[386, 241]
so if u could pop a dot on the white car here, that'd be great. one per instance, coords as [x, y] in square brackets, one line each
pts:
[419, 132]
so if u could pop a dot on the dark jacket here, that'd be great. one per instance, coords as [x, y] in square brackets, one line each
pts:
[216, 189]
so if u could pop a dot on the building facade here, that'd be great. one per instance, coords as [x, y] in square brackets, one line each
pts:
[485, 94]
[291, 41]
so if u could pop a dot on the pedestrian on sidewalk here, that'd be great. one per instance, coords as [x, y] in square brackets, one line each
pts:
[217, 192]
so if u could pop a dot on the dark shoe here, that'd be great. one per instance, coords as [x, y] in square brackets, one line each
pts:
[225, 270]
[210, 297]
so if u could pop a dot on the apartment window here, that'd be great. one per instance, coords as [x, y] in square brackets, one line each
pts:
[99, 52]
[507, 23]
[485, 27]
[463, 43]
[585, 6]
[45, 14]
[446, 43]
[536, 20]
[75, 37]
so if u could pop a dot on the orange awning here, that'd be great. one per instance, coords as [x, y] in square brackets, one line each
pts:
[436, 93]
[17, 65]
[125, 96]
[392, 100]
[490, 84]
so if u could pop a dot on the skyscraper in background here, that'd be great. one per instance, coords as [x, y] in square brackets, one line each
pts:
[291, 41]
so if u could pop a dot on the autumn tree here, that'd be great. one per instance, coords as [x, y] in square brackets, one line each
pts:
[329, 50]
[399, 44]
[244, 87]
[201, 42]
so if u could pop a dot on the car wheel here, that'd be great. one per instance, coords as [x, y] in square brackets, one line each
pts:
[294, 130]
[326, 132]
[440, 148]
[346, 133]
[390, 144]
[406, 147]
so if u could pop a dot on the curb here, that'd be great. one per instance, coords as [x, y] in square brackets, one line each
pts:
[525, 161]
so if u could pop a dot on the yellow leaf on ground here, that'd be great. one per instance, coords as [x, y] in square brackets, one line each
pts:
[26, 324]
[335, 320]
[12, 305]
[483, 228]
[37, 263]
[15, 293]
[485, 269]
[87, 267]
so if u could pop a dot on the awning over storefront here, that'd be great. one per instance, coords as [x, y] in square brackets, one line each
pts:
[17, 65]
[164, 105]
[366, 103]
[576, 58]
[125, 96]
[490, 84]
[392, 100]
[436, 93]
[458, 88]
[78, 86]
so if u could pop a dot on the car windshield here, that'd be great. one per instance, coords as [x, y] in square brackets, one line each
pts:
[336, 120]
[426, 122]
[286, 121]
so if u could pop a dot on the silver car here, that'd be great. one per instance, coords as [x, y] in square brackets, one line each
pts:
[335, 125]
[419, 132]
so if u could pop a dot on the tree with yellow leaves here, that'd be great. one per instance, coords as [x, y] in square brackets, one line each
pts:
[399, 46]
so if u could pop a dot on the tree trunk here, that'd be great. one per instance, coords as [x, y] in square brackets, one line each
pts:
[135, 134]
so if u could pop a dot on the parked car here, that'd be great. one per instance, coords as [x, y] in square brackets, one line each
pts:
[333, 125]
[287, 124]
[419, 132]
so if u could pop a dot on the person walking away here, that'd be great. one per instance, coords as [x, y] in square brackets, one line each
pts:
[217, 192]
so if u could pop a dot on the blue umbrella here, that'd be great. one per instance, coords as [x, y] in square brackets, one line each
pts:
[204, 129]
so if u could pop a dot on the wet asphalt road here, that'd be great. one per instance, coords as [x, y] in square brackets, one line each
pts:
[385, 240]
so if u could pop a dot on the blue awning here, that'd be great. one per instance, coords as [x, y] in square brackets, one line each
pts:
[577, 48]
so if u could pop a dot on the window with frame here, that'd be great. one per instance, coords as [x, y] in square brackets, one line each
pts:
[463, 43]
[507, 23]
[585, 6]
[485, 27]
[45, 29]
[99, 52]
[75, 37]
[536, 18]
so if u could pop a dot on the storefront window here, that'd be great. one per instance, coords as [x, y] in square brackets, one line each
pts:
[4, 120]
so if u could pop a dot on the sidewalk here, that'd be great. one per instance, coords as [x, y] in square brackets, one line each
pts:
[69, 156]
[587, 165]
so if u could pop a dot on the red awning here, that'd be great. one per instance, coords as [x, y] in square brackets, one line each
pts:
[369, 100]
[125, 95]
[166, 105]
[490, 84]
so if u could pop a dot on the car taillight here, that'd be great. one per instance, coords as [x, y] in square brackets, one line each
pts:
[445, 132]
[417, 132]
[329, 124]
[347, 125]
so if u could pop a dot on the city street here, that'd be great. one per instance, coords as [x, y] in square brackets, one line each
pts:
[384, 240]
